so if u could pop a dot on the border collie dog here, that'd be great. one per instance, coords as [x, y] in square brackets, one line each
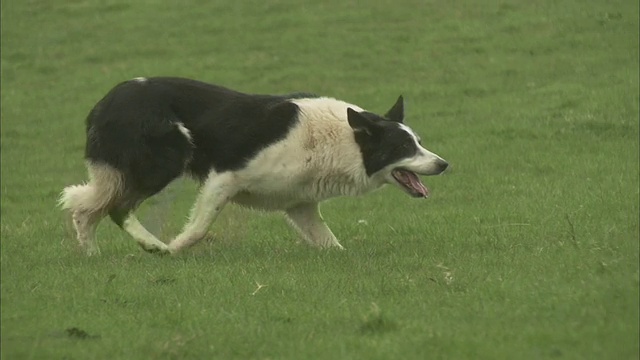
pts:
[270, 152]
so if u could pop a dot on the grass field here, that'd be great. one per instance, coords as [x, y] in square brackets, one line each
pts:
[527, 249]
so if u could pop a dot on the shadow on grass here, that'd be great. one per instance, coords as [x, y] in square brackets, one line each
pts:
[376, 323]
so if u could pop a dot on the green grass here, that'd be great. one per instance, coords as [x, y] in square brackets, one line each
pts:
[528, 248]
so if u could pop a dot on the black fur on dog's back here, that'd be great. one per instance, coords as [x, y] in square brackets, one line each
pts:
[134, 129]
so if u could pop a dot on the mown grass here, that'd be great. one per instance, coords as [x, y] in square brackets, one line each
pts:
[527, 249]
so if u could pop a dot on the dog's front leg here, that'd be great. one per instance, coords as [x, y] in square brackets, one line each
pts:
[214, 195]
[306, 219]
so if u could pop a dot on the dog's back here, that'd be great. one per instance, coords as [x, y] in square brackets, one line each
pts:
[157, 126]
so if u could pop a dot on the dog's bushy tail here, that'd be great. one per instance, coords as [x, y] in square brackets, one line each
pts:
[104, 187]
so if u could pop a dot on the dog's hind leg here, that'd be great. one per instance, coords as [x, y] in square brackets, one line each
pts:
[215, 193]
[307, 220]
[89, 203]
[85, 223]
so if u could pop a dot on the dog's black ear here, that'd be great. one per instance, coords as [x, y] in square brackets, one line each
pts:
[360, 123]
[396, 113]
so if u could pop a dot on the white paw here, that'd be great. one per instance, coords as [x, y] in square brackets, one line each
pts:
[173, 249]
[160, 248]
[92, 250]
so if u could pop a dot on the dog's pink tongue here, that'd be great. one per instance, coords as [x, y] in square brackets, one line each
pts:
[416, 184]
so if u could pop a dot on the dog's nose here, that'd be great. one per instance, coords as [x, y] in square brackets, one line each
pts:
[442, 165]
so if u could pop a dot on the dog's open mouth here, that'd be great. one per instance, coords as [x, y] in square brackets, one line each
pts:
[410, 182]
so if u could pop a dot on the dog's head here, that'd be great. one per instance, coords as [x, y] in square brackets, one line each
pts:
[392, 151]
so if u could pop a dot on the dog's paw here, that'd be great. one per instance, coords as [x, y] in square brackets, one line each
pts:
[172, 249]
[155, 249]
[92, 250]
